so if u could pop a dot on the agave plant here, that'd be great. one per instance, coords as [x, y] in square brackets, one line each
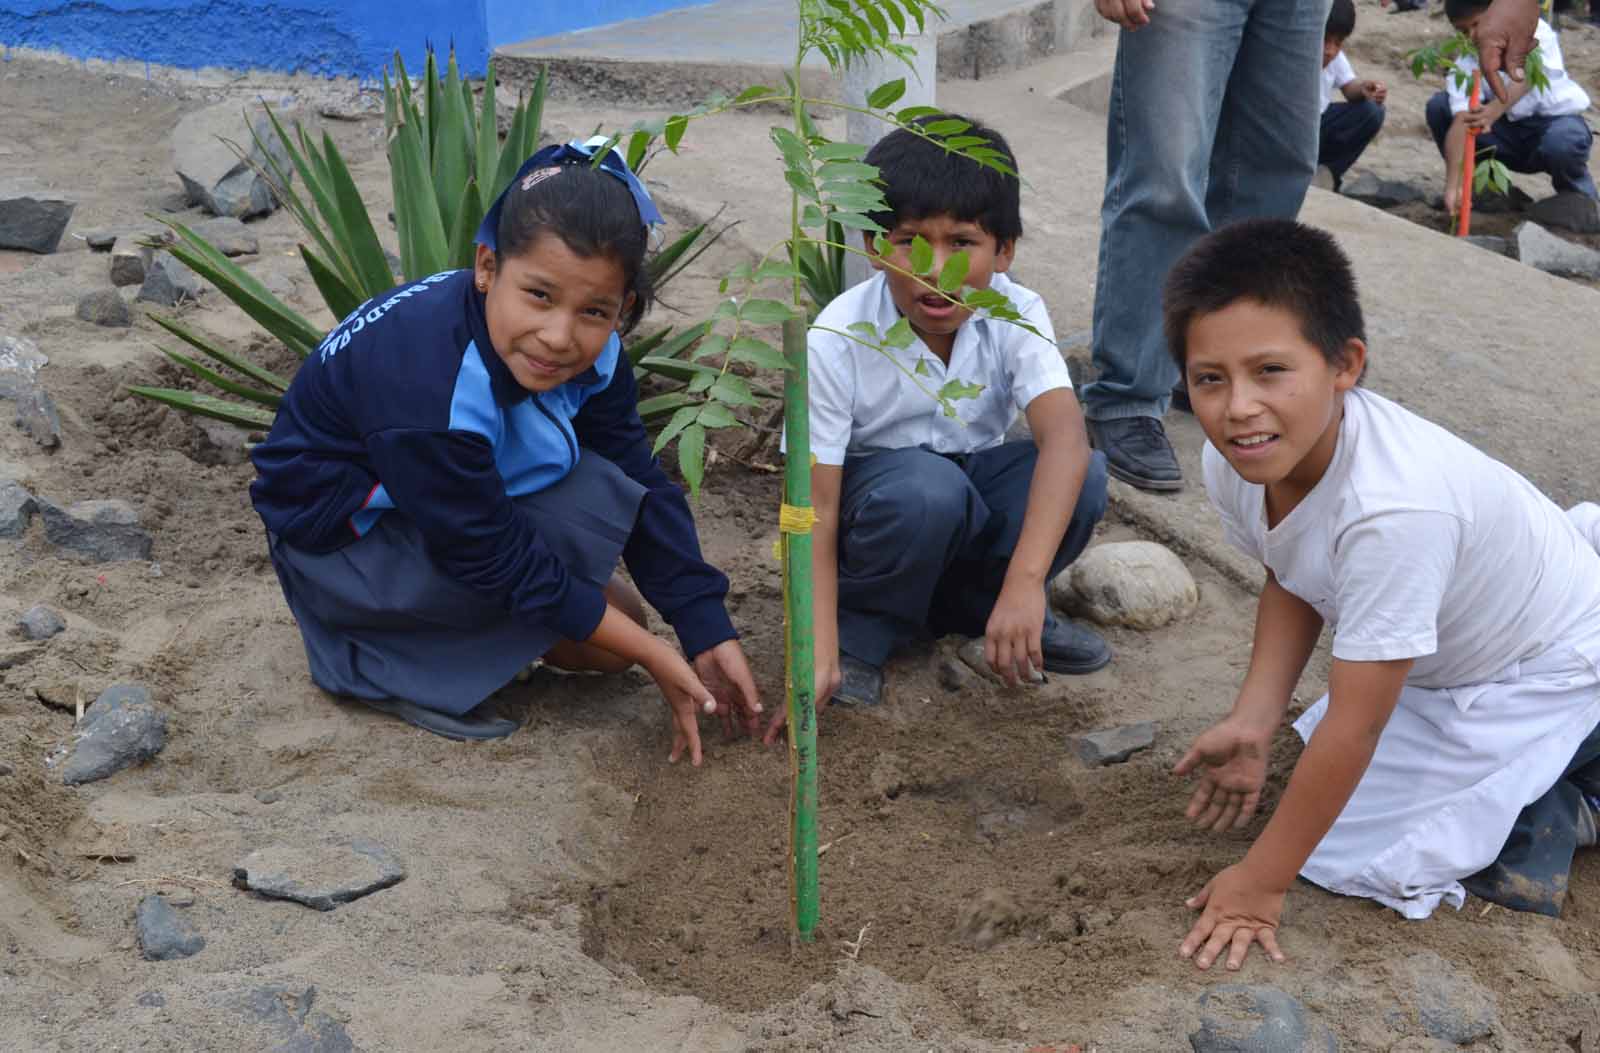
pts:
[446, 164]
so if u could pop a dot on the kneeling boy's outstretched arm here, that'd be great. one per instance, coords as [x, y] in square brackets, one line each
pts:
[1243, 904]
[1013, 634]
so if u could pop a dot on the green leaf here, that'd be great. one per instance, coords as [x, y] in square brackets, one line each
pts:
[960, 389]
[855, 221]
[765, 312]
[841, 152]
[847, 171]
[950, 126]
[900, 335]
[676, 126]
[469, 213]
[702, 382]
[245, 416]
[755, 91]
[912, 113]
[232, 387]
[811, 216]
[661, 405]
[866, 331]
[886, 95]
[339, 297]
[638, 143]
[758, 353]
[733, 390]
[692, 456]
[210, 348]
[710, 346]
[881, 246]
[776, 269]
[922, 368]
[954, 272]
[416, 207]
[488, 139]
[728, 308]
[245, 290]
[716, 415]
[921, 255]
[681, 419]
[676, 368]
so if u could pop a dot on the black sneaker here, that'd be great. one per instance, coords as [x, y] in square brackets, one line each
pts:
[860, 684]
[1072, 648]
[1137, 452]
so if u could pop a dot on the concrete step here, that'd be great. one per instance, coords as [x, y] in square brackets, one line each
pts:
[681, 57]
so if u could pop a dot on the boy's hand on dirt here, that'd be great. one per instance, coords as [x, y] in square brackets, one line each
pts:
[1452, 198]
[686, 699]
[1236, 911]
[1129, 14]
[725, 671]
[1503, 36]
[826, 681]
[1011, 639]
[1231, 758]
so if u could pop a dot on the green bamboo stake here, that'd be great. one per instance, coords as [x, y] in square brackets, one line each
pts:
[799, 660]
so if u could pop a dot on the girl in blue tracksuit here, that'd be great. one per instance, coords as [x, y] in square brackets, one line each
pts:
[454, 474]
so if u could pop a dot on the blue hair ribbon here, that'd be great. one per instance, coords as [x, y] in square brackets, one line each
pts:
[573, 153]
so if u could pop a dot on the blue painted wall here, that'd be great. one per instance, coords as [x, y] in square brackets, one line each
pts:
[328, 37]
[514, 20]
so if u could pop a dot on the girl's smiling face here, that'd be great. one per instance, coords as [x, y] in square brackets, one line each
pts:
[549, 310]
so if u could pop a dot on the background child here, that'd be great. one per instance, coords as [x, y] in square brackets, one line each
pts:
[1349, 125]
[452, 479]
[1533, 131]
[928, 525]
[1458, 737]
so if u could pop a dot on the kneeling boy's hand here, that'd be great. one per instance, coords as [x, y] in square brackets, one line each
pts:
[724, 670]
[1231, 757]
[1011, 640]
[1236, 911]
[686, 699]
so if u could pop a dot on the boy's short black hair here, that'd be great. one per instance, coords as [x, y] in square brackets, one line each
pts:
[1456, 10]
[1341, 20]
[1274, 262]
[922, 179]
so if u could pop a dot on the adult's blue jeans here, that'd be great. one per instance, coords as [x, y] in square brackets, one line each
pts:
[925, 540]
[1213, 118]
[1557, 145]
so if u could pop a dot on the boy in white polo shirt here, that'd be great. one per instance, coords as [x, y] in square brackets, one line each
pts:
[928, 525]
[1349, 124]
[1537, 131]
[1457, 748]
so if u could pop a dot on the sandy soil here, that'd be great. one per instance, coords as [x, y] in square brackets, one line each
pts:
[567, 890]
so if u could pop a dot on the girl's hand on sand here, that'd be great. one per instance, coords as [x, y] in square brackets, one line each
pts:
[1129, 14]
[724, 670]
[1231, 758]
[686, 699]
[1236, 911]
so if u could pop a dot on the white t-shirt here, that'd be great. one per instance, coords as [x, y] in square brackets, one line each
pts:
[1415, 544]
[1336, 75]
[861, 402]
[1563, 97]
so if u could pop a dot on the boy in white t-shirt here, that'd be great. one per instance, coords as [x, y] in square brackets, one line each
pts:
[1535, 131]
[1351, 123]
[928, 525]
[1457, 743]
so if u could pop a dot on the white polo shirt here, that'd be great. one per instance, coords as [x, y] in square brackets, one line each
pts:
[1336, 75]
[1563, 98]
[862, 403]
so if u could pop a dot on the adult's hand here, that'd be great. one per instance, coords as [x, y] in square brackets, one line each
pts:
[1503, 36]
[1129, 14]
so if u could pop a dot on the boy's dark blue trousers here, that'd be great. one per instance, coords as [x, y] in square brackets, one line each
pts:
[1557, 145]
[381, 620]
[925, 539]
[1347, 128]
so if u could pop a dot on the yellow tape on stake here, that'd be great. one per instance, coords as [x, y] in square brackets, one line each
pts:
[796, 519]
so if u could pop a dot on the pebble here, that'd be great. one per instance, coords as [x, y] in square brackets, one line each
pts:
[33, 219]
[152, 1000]
[168, 282]
[104, 531]
[954, 676]
[1489, 242]
[296, 1026]
[1137, 584]
[99, 240]
[1381, 193]
[127, 268]
[17, 507]
[1543, 250]
[268, 796]
[1449, 1005]
[40, 623]
[228, 236]
[163, 935]
[1256, 1018]
[972, 656]
[121, 728]
[1113, 745]
[6, 770]
[105, 307]
[320, 876]
[1568, 210]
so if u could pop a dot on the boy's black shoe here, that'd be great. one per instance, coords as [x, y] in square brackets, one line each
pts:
[860, 684]
[1400, 6]
[1137, 452]
[1072, 648]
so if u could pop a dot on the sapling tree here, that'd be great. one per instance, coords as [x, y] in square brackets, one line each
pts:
[1487, 174]
[832, 196]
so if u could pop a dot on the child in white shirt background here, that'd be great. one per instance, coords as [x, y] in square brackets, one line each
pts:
[1352, 122]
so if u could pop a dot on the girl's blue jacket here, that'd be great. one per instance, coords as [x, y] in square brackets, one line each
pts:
[406, 406]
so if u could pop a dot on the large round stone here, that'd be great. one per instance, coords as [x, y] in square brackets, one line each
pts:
[1138, 584]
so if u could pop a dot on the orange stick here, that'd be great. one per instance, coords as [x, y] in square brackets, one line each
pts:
[1467, 164]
